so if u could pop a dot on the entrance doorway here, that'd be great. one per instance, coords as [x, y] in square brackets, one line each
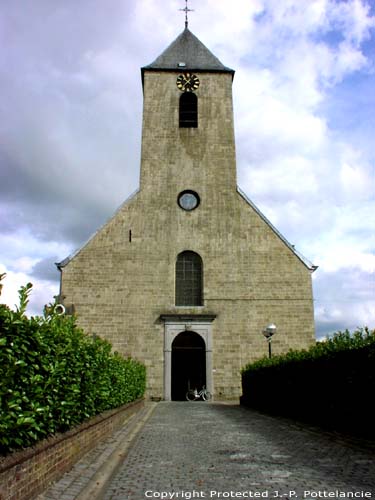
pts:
[188, 364]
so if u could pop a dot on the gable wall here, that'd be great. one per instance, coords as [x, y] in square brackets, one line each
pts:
[251, 278]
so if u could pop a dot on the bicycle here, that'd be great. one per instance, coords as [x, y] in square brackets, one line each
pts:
[194, 394]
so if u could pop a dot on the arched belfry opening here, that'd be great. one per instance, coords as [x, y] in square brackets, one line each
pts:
[188, 115]
[188, 364]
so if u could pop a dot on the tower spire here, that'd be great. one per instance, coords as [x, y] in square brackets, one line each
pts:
[186, 10]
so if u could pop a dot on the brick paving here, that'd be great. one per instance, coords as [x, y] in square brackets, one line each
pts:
[74, 482]
[209, 450]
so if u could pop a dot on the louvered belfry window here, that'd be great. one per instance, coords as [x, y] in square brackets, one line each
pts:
[189, 279]
[188, 110]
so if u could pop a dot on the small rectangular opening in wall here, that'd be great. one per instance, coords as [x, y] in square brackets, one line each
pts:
[130, 235]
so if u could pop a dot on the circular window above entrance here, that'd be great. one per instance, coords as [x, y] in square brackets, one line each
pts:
[188, 200]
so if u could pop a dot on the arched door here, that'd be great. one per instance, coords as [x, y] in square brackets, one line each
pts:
[188, 364]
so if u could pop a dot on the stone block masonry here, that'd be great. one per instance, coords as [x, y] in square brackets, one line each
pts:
[26, 473]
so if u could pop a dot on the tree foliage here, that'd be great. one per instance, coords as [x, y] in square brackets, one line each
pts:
[338, 342]
[329, 384]
[54, 376]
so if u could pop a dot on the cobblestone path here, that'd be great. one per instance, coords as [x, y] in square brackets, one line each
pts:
[201, 450]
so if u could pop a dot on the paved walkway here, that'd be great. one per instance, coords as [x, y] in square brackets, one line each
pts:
[208, 450]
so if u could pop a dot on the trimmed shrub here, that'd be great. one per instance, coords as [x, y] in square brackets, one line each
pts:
[331, 384]
[53, 376]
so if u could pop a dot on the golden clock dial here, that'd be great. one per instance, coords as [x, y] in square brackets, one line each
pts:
[187, 82]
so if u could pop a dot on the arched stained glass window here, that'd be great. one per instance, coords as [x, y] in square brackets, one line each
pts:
[189, 279]
[188, 110]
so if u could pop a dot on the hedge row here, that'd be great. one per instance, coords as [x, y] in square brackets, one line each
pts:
[331, 384]
[54, 377]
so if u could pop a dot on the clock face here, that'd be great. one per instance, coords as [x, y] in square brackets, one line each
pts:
[187, 82]
[188, 200]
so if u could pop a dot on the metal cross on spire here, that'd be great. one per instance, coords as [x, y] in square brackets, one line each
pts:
[186, 10]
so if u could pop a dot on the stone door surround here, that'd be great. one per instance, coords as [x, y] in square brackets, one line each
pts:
[174, 324]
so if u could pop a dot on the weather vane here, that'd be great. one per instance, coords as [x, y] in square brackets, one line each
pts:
[186, 10]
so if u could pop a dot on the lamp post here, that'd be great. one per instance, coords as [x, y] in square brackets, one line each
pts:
[268, 332]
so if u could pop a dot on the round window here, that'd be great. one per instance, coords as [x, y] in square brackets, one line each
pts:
[188, 200]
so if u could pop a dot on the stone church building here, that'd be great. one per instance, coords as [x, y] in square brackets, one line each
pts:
[188, 272]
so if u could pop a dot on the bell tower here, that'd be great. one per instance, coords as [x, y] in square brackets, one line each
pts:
[188, 132]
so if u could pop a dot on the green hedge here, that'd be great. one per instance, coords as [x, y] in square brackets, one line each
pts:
[53, 376]
[331, 384]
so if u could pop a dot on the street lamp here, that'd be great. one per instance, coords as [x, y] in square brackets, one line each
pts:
[268, 332]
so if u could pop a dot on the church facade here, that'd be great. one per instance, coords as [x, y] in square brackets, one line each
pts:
[188, 272]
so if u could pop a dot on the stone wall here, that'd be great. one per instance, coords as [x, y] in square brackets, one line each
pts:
[26, 473]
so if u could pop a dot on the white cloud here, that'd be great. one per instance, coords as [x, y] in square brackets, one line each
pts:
[21, 250]
[356, 181]
[41, 294]
[19, 257]
[353, 17]
[339, 256]
[11, 284]
[344, 299]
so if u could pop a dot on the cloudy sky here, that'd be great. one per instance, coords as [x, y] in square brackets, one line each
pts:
[304, 105]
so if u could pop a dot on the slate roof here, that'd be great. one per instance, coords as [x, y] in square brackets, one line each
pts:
[187, 53]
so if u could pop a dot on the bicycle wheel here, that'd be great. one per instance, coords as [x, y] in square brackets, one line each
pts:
[190, 395]
[206, 396]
